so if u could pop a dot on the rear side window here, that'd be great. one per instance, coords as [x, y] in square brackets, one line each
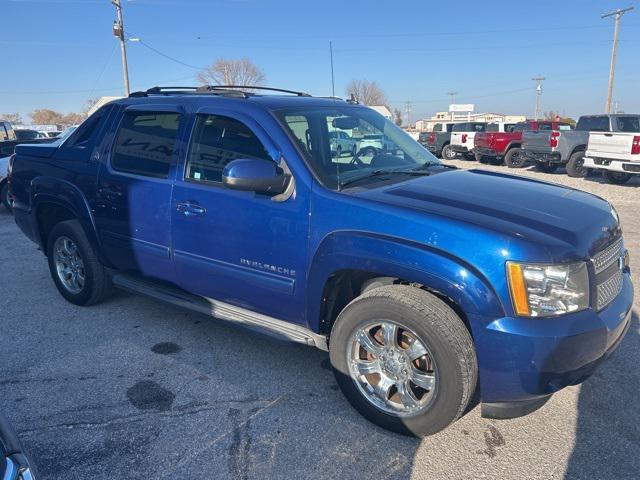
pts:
[450, 127]
[628, 124]
[493, 127]
[86, 132]
[216, 141]
[460, 127]
[508, 127]
[477, 127]
[437, 127]
[593, 124]
[145, 142]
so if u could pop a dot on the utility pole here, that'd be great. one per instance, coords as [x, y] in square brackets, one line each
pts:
[118, 32]
[453, 100]
[407, 106]
[538, 81]
[612, 70]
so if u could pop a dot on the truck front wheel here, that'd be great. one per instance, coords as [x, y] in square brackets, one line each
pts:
[618, 178]
[575, 166]
[79, 276]
[404, 359]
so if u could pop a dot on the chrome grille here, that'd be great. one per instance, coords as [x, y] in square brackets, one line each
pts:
[608, 256]
[609, 289]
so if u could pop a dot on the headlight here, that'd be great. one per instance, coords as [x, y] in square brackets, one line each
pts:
[547, 290]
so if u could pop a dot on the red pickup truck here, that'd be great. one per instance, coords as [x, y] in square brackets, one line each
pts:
[504, 147]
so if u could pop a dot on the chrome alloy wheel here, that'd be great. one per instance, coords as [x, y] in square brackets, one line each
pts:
[392, 368]
[69, 264]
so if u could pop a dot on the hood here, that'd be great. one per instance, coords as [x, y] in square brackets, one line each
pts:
[543, 213]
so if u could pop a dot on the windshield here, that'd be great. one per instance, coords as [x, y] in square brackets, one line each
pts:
[344, 143]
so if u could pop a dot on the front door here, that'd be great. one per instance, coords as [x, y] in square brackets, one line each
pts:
[133, 195]
[237, 247]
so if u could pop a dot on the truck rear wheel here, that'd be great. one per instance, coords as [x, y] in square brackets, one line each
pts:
[480, 158]
[575, 166]
[547, 167]
[618, 178]
[80, 278]
[404, 359]
[514, 158]
[448, 153]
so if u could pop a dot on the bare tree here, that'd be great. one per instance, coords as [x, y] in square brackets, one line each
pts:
[45, 116]
[397, 113]
[366, 92]
[13, 118]
[232, 72]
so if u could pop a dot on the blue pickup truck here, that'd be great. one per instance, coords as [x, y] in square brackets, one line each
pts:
[424, 283]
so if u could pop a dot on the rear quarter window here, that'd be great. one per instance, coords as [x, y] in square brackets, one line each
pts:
[593, 124]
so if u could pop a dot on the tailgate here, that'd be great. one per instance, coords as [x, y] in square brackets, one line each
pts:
[483, 140]
[537, 141]
[456, 138]
[602, 144]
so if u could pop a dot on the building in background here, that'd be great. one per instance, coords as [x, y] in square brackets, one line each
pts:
[465, 113]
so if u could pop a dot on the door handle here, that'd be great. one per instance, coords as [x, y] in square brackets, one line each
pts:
[188, 209]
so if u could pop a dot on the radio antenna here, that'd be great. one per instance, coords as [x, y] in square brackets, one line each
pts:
[333, 78]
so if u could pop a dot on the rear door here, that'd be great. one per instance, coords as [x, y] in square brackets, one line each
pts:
[133, 194]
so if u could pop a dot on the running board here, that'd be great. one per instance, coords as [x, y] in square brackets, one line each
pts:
[214, 308]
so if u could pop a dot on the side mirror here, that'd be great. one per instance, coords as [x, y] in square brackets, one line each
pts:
[254, 175]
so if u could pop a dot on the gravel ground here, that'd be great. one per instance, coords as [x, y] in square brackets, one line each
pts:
[139, 390]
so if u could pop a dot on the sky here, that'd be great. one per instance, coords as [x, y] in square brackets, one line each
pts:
[59, 53]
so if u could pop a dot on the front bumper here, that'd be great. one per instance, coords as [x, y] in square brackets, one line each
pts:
[522, 361]
[613, 165]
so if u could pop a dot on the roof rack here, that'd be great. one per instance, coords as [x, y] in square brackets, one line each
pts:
[224, 90]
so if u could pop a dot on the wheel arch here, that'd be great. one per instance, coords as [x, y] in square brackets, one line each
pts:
[336, 276]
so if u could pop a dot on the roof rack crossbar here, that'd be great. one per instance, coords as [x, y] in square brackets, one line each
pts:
[224, 90]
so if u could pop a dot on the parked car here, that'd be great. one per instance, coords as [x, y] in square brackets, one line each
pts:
[377, 142]
[567, 147]
[342, 142]
[505, 146]
[7, 148]
[616, 154]
[231, 204]
[438, 141]
[462, 136]
[49, 134]
[27, 134]
[6, 131]
[4, 188]
[14, 462]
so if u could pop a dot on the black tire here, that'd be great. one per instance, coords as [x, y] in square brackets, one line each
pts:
[480, 158]
[497, 161]
[617, 178]
[448, 153]
[575, 166]
[547, 167]
[97, 284]
[514, 158]
[438, 328]
[4, 197]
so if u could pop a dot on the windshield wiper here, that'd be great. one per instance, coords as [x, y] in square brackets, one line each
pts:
[382, 172]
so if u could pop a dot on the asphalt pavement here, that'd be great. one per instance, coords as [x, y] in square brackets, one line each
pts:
[135, 389]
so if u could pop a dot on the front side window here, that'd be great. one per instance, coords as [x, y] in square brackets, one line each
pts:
[145, 143]
[370, 144]
[216, 141]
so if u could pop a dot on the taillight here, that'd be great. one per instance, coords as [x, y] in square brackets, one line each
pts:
[635, 146]
[553, 141]
[432, 137]
[464, 138]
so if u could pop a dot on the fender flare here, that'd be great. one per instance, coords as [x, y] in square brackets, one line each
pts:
[387, 256]
[59, 192]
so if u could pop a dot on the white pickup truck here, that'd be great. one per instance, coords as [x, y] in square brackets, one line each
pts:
[462, 135]
[617, 154]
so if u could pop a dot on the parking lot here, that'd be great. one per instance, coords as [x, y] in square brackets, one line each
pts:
[136, 389]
